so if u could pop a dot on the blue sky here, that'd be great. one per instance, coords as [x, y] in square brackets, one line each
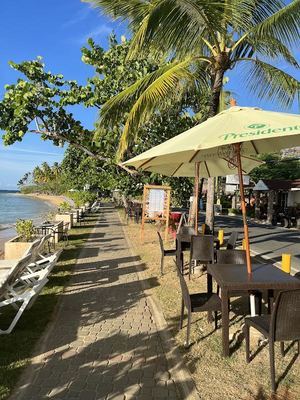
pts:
[56, 30]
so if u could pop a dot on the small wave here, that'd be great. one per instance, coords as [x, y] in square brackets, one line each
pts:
[5, 226]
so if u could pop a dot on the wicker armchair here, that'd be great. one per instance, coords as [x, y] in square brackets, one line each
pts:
[282, 325]
[196, 302]
[164, 253]
[231, 243]
[202, 250]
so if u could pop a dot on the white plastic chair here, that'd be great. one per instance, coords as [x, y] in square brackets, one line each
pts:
[18, 296]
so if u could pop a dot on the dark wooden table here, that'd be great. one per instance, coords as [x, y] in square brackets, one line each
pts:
[235, 277]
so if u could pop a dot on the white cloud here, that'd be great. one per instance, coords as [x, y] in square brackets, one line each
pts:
[79, 17]
[28, 151]
[103, 29]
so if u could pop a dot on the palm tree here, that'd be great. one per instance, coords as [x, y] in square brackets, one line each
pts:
[37, 175]
[56, 170]
[46, 172]
[201, 40]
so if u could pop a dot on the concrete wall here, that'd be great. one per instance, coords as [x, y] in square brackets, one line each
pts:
[293, 197]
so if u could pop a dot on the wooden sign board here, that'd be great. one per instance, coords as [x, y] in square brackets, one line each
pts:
[156, 205]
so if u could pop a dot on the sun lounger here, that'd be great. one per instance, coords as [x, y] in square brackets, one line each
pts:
[22, 280]
[18, 296]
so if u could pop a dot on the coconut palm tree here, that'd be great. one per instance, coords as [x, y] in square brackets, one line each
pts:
[56, 170]
[201, 41]
[37, 175]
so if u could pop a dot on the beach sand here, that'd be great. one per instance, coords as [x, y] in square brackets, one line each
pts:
[53, 200]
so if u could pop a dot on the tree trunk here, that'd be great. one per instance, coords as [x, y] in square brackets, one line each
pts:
[210, 214]
[257, 205]
[270, 211]
[214, 108]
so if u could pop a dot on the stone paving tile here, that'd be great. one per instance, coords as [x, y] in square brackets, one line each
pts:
[104, 342]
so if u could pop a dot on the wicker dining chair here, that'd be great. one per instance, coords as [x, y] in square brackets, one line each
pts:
[239, 257]
[164, 253]
[282, 325]
[202, 250]
[196, 302]
[231, 243]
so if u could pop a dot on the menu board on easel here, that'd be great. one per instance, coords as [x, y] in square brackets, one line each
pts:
[156, 205]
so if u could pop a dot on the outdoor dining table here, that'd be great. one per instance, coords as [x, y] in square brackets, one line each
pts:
[235, 277]
[55, 228]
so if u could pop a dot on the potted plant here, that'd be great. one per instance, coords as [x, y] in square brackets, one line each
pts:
[64, 213]
[16, 247]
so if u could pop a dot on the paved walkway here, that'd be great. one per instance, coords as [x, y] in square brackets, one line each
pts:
[104, 342]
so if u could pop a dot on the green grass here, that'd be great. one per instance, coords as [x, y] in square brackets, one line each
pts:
[17, 348]
[215, 377]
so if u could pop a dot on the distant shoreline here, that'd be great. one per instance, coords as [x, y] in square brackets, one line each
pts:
[54, 200]
[9, 232]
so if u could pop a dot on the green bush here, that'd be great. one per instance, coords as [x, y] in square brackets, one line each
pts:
[80, 197]
[64, 207]
[25, 229]
[233, 211]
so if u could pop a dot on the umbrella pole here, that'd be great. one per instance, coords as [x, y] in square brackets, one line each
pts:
[243, 205]
[197, 165]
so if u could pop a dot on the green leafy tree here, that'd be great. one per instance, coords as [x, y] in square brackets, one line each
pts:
[276, 167]
[40, 101]
[202, 40]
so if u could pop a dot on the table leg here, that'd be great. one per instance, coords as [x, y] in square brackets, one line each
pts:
[209, 283]
[252, 305]
[225, 322]
[209, 290]
[270, 300]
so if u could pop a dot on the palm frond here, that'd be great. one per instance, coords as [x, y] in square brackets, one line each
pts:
[266, 46]
[171, 85]
[168, 19]
[155, 91]
[271, 83]
[122, 9]
[283, 25]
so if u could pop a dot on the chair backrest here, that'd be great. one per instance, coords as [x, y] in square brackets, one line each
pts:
[187, 230]
[285, 320]
[202, 248]
[66, 227]
[206, 229]
[161, 243]
[16, 272]
[231, 257]
[184, 289]
[232, 240]
[33, 249]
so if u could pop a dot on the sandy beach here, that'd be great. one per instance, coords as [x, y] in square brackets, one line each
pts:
[53, 200]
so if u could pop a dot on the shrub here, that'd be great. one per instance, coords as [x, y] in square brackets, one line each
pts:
[233, 211]
[25, 229]
[64, 207]
[80, 198]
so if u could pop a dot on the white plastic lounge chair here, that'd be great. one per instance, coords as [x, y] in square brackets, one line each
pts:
[19, 297]
[45, 263]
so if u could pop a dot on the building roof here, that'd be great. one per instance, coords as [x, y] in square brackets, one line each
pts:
[277, 184]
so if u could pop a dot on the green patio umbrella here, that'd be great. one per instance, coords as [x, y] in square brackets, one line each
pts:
[231, 139]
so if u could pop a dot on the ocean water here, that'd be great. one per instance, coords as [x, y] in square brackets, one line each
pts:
[14, 206]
